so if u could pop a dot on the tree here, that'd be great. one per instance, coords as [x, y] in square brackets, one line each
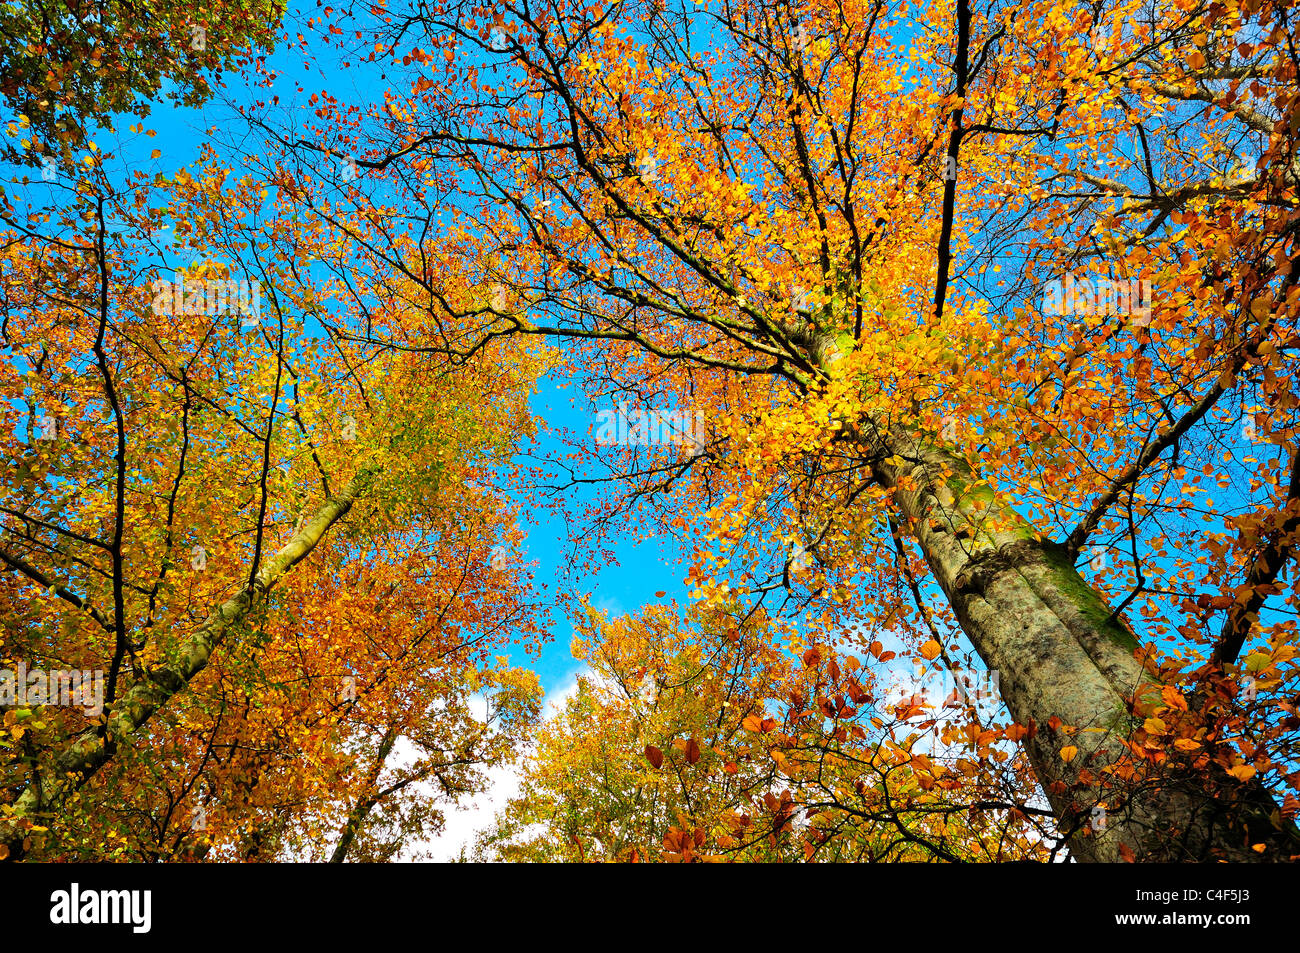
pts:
[68, 66]
[902, 269]
[702, 737]
[285, 560]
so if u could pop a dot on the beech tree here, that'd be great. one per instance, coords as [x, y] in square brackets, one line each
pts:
[989, 309]
[288, 559]
[68, 68]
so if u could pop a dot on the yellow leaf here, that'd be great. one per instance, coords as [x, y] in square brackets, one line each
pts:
[1242, 772]
[1068, 753]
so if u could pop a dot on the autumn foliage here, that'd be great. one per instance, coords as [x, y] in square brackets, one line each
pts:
[991, 317]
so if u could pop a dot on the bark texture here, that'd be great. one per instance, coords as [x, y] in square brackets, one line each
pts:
[1059, 653]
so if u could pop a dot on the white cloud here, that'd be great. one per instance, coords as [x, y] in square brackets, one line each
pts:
[555, 700]
[475, 814]
[610, 606]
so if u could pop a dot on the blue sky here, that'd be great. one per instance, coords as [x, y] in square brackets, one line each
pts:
[622, 586]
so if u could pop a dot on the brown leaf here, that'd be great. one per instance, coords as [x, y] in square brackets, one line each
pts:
[654, 756]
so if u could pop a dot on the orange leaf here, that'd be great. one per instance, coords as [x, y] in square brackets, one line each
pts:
[931, 649]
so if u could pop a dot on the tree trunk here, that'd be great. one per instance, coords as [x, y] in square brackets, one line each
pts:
[1060, 654]
[93, 748]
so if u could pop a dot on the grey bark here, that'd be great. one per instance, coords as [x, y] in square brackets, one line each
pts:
[1060, 653]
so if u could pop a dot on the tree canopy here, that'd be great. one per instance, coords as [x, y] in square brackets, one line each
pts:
[956, 345]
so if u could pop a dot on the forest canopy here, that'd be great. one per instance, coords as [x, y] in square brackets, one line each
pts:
[952, 354]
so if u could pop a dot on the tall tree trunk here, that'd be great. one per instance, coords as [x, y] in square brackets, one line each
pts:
[1060, 654]
[91, 750]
